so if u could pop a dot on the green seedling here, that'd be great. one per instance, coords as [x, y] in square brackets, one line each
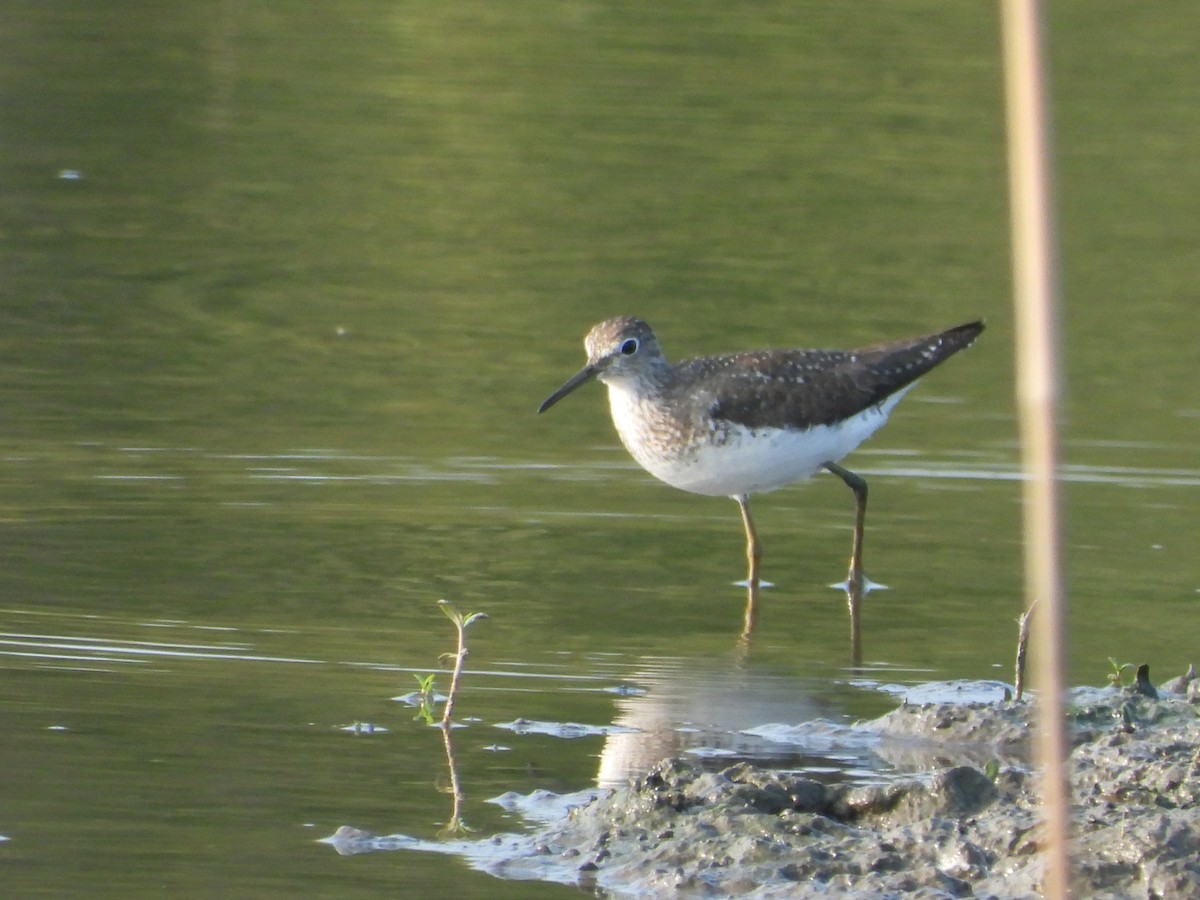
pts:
[1116, 677]
[427, 699]
[455, 826]
[461, 624]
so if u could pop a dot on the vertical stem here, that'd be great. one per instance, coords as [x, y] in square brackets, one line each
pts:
[1022, 652]
[455, 824]
[459, 658]
[1037, 392]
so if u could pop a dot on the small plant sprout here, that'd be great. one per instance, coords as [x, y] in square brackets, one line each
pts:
[1116, 677]
[426, 698]
[1022, 650]
[461, 623]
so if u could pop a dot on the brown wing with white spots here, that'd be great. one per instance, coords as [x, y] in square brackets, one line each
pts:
[803, 388]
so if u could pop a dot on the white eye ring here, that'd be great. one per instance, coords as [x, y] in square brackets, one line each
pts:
[629, 346]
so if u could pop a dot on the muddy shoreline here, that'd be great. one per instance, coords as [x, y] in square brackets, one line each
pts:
[965, 824]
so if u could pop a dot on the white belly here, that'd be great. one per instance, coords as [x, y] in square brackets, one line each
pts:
[747, 462]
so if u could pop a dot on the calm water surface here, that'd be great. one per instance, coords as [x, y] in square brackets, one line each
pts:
[282, 288]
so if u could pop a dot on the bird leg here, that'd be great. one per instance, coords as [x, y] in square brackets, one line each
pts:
[856, 581]
[753, 548]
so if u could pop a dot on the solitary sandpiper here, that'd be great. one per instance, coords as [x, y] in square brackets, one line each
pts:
[743, 423]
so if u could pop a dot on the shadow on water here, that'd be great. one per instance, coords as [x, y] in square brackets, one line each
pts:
[854, 610]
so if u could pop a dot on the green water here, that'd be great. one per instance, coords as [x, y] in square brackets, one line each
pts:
[283, 284]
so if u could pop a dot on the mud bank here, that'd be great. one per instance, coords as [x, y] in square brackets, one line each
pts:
[954, 830]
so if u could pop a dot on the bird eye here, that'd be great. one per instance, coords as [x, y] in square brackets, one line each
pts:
[630, 347]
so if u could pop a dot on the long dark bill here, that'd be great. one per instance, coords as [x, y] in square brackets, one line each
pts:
[584, 374]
